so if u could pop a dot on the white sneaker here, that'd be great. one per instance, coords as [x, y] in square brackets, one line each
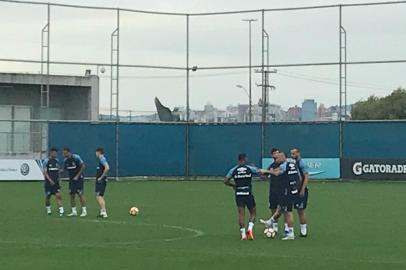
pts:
[289, 237]
[267, 223]
[73, 214]
[83, 214]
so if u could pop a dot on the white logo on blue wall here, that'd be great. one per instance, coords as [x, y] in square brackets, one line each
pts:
[25, 169]
[357, 168]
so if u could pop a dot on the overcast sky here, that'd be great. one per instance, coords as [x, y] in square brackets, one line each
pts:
[83, 35]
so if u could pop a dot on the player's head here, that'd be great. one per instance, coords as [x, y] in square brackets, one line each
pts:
[242, 158]
[281, 157]
[53, 152]
[66, 152]
[99, 151]
[274, 152]
[295, 153]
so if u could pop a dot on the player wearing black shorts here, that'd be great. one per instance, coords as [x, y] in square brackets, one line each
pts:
[50, 168]
[301, 203]
[74, 165]
[101, 181]
[275, 189]
[291, 180]
[241, 175]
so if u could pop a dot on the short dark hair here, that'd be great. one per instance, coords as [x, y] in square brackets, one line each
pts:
[295, 148]
[242, 156]
[53, 149]
[275, 150]
[100, 150]
[66, 149]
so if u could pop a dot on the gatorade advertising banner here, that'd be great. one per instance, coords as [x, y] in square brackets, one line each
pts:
[373, 169]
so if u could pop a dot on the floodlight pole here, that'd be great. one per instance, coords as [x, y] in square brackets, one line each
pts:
[250, 65]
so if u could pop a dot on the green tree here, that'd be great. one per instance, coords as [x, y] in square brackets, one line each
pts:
[390, 107]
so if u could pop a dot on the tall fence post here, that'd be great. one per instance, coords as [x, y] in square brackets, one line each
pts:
[117, 96]
[187, 135]
[264, 103]
[340, 122]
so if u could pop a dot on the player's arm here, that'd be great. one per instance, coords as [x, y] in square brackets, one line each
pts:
[228, 178]
[256, 170]
[81, 167]
[228, 182]
[275, 172]
[305, 170]
[48, 178]
[278, 171]
[45, 172]
[105, 170]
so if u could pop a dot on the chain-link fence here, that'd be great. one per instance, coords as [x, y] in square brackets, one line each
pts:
[283, 64]
[260, 66]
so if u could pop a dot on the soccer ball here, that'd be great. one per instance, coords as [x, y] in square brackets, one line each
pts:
[134, 211]
[269, 233]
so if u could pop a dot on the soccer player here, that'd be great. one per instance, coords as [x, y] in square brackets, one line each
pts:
[52, 186]
[240, 179]
[275, 188]
[75, 167]
[101, 181]
[291, 179]
[301, 203]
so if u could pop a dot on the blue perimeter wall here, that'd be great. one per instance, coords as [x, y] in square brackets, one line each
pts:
[161, 149]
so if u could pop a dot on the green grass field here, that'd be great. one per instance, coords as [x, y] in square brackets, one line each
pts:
[192, 225]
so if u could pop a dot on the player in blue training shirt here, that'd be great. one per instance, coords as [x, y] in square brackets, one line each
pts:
[276, 185]
[74, 165]
[50, 168]
[241, 175]
[291, 179]
[101, 180]
[301, 203]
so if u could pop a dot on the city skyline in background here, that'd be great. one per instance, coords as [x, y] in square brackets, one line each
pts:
[309, 110]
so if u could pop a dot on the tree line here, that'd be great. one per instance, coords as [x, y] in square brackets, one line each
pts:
[390, 107]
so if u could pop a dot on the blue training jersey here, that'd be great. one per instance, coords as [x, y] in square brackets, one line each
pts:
[242, 176]
[72, 165]
[102, 163]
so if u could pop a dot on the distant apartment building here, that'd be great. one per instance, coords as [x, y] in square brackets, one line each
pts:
[309, 110]
[294, 114]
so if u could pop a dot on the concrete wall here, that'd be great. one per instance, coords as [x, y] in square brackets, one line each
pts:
[76, 98]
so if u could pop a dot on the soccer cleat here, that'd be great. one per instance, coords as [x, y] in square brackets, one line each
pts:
[267, 223]
[102, 216]
[289, 237]
[73, 214]
[83, 214]
[250, 235]
[303, 235]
